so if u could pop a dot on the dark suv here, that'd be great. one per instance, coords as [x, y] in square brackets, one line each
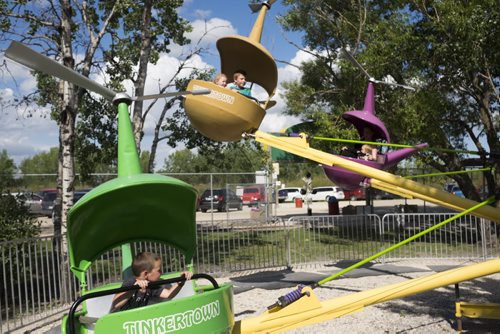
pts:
[222, 200]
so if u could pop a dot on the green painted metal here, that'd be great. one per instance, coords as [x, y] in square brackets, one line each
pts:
[142, 207]
[404, 242]
[128, 164]
[132, 207]
[128, 159]
[209, 312]
[353, 141]
[450, 173]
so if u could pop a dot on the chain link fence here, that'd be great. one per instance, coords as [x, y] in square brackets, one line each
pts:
[36, 280]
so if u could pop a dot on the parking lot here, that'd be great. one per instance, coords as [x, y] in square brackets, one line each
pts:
[285, 211]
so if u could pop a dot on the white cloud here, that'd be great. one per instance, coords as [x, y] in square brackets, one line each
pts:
[25, 132]
[25, 136]
[204, 35]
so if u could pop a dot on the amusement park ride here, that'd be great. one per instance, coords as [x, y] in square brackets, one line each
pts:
[107, 216]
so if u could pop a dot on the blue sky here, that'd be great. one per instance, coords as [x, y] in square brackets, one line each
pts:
[238, 13]
[24, 136]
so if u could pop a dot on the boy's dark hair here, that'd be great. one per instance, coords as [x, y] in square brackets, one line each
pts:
[144, 261]
[238, 72]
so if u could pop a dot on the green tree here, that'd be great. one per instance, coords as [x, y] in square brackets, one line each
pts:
[149, 29]
[15, 220]
[41, 163]
[241, 157]
[144, 159]
[449, 50]
[61, 29]
[96, 139]
[7, 170]
[45, 162]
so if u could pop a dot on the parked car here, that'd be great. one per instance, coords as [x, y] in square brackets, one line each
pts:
[253, 195]
[379, 194]
[48, 201]
[220, 199]
[355, 194]
[289, 194]
[32, 201]
[42, 192]
[324, 193]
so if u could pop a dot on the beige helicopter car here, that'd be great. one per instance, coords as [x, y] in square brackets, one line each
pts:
[223, 115]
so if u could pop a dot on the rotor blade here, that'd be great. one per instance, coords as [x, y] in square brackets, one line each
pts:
[24, 55]
[393, 84]
[186, 92]
[355, 63]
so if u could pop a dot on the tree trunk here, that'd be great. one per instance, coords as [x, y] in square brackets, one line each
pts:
[156, 135]
[139, 84]
[67, 117]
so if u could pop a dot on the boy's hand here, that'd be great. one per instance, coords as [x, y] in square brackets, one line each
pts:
[187, 275]
[142, 283]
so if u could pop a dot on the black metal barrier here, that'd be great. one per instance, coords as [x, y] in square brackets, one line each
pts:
[157, 284]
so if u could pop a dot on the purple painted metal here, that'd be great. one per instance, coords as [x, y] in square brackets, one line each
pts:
[350, 180]
[366, 118]
[362, 119]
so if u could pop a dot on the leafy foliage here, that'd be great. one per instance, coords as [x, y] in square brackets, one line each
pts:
[7, 169]
[41, 163]
[96, 139]
[15, 220]
[235, 157]
[448, 50]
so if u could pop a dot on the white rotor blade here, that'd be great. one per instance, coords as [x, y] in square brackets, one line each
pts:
[393, 84]
[157, 96]
[370, 78]
[24, 55]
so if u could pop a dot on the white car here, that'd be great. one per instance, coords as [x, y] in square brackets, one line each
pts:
[290, 193]
[324, 193]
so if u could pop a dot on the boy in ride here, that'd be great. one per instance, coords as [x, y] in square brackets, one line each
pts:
[146, 268]
[239, 83]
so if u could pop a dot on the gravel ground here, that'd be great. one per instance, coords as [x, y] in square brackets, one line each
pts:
[427, 312]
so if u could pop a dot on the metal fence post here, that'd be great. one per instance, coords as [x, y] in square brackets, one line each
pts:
[484, 242]
[288, 251]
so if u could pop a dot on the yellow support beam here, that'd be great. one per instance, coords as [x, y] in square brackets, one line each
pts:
[308, 309]
[299, 146]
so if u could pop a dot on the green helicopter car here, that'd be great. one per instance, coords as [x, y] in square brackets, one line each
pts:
[140, 207]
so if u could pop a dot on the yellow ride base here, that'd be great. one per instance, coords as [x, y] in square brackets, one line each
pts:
[475, 311]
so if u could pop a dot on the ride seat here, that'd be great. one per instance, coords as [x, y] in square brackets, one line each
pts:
[96, 308]
[186, 290]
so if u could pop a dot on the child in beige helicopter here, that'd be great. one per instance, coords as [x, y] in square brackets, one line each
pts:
[221, 80]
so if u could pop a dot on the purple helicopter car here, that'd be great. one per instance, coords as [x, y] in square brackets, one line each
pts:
[363, 120]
